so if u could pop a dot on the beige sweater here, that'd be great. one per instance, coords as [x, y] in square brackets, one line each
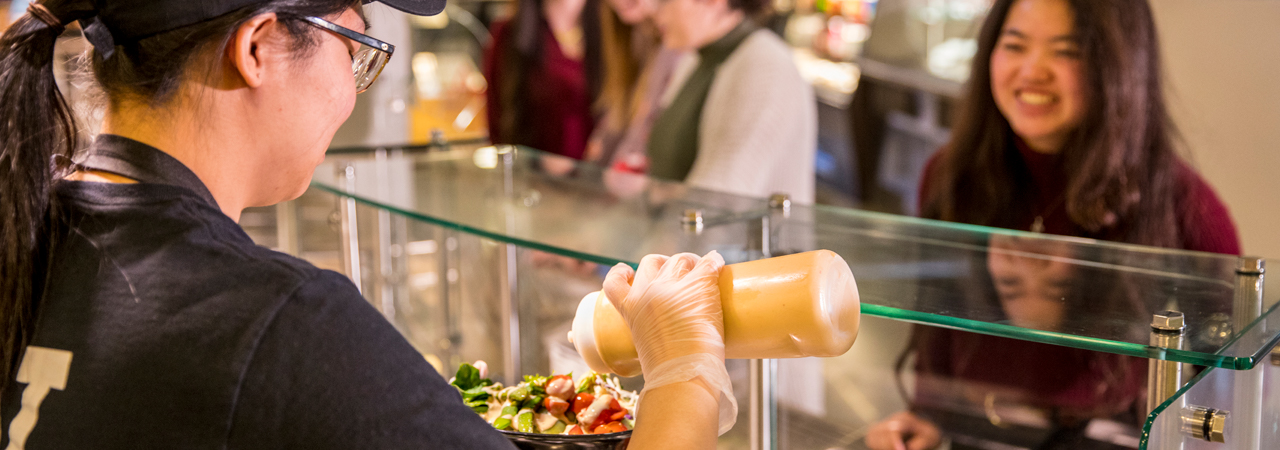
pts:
[759, 124]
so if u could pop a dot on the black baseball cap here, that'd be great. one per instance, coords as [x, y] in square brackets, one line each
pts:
[130, 20]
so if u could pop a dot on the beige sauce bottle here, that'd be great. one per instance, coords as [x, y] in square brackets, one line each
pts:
[791, 306]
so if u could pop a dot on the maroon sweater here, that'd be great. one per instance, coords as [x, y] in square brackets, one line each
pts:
[1072, 382]
[558, 117]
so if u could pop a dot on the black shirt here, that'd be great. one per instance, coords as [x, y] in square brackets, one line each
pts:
[182, 333]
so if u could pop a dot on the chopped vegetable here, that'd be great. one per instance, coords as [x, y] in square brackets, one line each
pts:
[545, 421]
[560, 386]
[519, 393]
[558, 428]
[588, 382]
[524, 421]
[611, 427]
[592, 415]
[535, 380]
[504, 420]
[467, 377]
[556, 407]
[548, 405]
[472, 386]
[582, 401]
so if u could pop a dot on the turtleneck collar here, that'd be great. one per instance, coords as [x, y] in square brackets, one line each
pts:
[1045, 168]
[720, 49]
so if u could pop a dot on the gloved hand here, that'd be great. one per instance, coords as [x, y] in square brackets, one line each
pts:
[672, 306]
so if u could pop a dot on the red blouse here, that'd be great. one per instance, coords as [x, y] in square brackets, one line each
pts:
[558, 116]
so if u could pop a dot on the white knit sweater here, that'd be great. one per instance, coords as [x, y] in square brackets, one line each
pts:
[758, 134]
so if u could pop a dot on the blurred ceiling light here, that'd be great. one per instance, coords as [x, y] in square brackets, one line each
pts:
[486, 157]
[468, 114]
[436, 22]
[427, 75]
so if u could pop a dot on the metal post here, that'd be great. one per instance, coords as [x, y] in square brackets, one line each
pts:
[385, 280]
[1247, 391]
[350, 226]
[510, 313]
[779, 212]
[287, 227]
[762, 401]
[451, 306]
[508, 289]
[766, 236]
[763, 373]
[692, 220]
[1164, 377]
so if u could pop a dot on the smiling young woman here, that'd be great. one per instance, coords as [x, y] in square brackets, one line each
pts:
[1035, 74]
[1065, 121]
[1063, 130]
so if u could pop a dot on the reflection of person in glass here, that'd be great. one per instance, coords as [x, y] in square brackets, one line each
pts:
[1064, 130]
[136, 313]
[1032, 277]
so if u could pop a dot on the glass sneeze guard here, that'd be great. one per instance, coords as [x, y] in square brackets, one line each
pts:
[951, 275]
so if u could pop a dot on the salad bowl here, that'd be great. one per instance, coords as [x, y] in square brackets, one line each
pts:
[534, 441]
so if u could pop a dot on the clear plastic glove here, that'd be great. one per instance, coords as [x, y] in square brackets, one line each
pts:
[672, 305]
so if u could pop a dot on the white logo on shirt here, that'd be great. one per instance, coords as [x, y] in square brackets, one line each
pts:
[42, 369]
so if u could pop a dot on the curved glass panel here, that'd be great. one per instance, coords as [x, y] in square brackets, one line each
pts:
[1244, 400]
[1063, 291]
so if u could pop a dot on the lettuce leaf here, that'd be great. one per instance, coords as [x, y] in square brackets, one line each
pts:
[468, 377]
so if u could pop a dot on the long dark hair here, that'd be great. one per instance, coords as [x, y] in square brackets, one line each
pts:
[524, 56]
[1121, 161]
[38, 133]
[621, 77]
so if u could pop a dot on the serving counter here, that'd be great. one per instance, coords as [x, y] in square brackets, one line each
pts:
[484, 252]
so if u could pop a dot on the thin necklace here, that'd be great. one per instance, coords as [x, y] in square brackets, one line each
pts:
[1037, 226]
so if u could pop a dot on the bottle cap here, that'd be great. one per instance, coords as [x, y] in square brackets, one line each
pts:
[583, 334]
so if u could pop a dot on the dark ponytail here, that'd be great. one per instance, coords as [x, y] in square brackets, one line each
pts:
[35, 127]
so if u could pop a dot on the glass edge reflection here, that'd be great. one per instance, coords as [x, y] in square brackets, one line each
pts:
[1155, 414]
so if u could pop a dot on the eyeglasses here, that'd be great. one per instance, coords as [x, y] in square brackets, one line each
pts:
[368, 61]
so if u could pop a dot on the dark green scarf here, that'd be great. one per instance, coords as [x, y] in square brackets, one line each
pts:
[673, 142]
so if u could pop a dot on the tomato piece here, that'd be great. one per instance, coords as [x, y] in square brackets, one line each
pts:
[611, 427]
[602, 419]
[582, 401]
[614, 405]
[575, 430]
[560, 386]
[555, 406]
[616, 427]
[566, 377]
[618, 415]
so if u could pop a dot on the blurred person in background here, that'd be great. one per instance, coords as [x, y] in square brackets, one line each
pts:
[545, 72]
[638, 69]
[1064, 130]
[743, 121]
